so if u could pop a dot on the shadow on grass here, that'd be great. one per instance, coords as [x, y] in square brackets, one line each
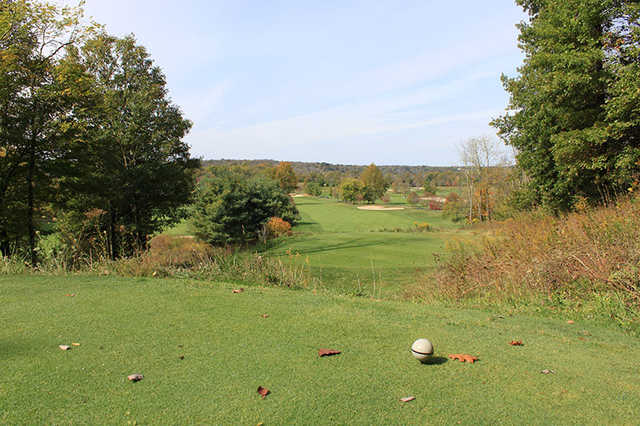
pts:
[435, 360]
[353, 243]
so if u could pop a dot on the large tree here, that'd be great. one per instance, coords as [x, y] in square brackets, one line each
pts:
[374, 183]
[33, 37]
[134, 164]
[559, 120]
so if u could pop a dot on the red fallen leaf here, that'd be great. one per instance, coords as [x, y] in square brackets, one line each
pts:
[464, 358]
[516, 343]
[135, 377]
[327, 352]
[238, 290]
[64, 347]
[263, 391]
[407, 398]
[265, 315]
[570, 322]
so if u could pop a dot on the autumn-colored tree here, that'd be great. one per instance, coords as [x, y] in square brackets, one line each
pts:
[285, 175]
[374, 183]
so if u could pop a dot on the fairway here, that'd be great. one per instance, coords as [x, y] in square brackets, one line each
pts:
[350, 249]
[144, 326]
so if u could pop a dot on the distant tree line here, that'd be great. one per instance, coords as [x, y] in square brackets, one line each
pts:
[88, 134]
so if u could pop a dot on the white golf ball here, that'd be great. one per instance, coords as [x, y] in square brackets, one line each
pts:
[422, 349]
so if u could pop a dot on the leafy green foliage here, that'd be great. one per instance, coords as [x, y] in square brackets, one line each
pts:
[374, 184]
[313, 188]
[573, 121]
[230, 209]
[352, 190]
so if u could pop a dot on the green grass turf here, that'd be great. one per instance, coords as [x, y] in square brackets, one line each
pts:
[344, 245]
[142, 326]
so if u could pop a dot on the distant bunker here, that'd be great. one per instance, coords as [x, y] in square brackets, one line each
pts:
[379, 208]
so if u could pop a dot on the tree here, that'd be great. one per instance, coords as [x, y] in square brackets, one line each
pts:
[374, 183]
[33, 106]
[351, 190]
[134, 164]
[285, 175]
[570, 113]
[230, 209]
[482, 158]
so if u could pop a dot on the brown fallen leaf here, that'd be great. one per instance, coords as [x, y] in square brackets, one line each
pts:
[545, 371]
[135, 377]
[327, 352]
[464, 358]
[265, 315]
[263, 391]
[516, 343]
[75, 344]
[181, 357]
[238, 290]
[64, 347]
[70, 295]
[570, 322]
[407, 398]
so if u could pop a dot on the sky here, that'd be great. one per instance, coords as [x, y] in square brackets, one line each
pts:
[349, 82]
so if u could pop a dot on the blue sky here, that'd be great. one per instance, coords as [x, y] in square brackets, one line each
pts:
[352, 82]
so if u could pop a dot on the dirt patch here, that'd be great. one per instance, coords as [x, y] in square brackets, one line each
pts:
[379, 208]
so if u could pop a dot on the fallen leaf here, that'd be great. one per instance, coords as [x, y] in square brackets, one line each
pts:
[238, 290]
[327, 352]
[135, 377]
[75, 344]
[70, 295]
[570, 322]
[516, 343]
[263, 391]
[545, 371]
[265, 315]
[464, 358]
[64, 347]
[181, 357]
[407, 398]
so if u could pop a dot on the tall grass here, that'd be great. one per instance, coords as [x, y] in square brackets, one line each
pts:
[176, 256]
[592, 253]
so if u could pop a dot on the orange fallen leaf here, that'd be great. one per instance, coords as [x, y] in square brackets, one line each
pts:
[570, 322]
[464, 358]
[516, 343]
[265, 315]
[75, 344]
[327, 352]
[64, 347]
[263, 391]
[70, 295]
[238, 290]
[407, 398]
[135, 377]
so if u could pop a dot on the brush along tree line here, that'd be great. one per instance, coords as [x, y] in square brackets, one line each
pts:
[371, 186]
[85, 125]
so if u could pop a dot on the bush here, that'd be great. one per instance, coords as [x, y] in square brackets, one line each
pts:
[413, 198]
[276, 227]
[352, 190]
[178, 251]
[229, 209]
[313, 188]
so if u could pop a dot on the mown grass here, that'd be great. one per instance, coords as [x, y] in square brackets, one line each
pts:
[143, 326]
[357, 251]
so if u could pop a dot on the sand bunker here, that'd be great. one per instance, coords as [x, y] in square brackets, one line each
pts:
[379, 208]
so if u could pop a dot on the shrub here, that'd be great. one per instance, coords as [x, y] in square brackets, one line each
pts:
[385, 198]
[413, 198]
[351, 190]
[313, 188]
[277, 227]
[230, 209]
[178, 251]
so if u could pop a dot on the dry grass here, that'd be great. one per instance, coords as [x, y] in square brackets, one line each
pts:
[593, 251]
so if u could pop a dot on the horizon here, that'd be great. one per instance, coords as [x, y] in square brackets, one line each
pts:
[344, 83]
